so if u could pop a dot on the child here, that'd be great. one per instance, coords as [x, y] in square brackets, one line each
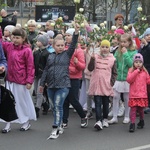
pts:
[137, 77]
[40, 59]
[101, 82]
[8, 33]
[20, 77]
[56, 75]
[124, 56]
[145, 52]
[77, 65]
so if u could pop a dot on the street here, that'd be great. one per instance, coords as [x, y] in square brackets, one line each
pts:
[116, 137]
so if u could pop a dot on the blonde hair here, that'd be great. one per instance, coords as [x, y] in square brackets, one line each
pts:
[57, 39]
[128, 37]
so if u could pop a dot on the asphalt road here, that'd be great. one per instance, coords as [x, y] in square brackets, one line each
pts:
[116, 137]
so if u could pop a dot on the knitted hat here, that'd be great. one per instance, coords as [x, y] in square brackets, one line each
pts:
[138, 56]
[50, 34]
[70, 31]
[10, 28]
[147, 32]
[31, 22]
[105, 43]
[43, 39]
[119, 31]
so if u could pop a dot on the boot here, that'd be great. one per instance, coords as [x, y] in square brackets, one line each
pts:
[132, 127]
[37, 112]
[141, 124]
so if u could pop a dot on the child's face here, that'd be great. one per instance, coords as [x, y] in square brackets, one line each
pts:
[104, 50]
[147, 38]
[17, 40]
[59, 46]
[68, 38]
[115, 42]
[31, 28]
[138, 64]
[39, 44]
[6, 33]
[124, 42]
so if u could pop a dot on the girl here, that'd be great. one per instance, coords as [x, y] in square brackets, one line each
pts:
[101, 81]
[137, 77]
[56, 75]
[124, 56]
[20, 77]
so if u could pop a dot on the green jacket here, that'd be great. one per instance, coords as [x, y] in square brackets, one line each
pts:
[124, 63]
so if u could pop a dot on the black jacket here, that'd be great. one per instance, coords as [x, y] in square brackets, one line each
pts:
[56, 72]
[40, 59]
[6, 21]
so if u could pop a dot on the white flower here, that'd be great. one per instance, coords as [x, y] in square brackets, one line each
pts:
[144, 18]
[125, 27]
[81, 10]
[139, 9]
[105, 22]
[95, 26]
[52, 24]
[102, 24]
[39, 26]
[76, 1]
[82, 24]
[25, 25]
[113, 28]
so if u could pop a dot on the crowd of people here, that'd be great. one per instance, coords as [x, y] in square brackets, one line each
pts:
[67, 69]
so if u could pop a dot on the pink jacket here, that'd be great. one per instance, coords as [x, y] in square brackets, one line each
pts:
[75, 70]
[138, 83]
[20, 63]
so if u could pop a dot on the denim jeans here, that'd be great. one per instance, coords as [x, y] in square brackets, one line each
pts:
[99, 101]
[73, 99]
[56, 98]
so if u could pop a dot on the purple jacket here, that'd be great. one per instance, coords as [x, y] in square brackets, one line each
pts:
[20, 63]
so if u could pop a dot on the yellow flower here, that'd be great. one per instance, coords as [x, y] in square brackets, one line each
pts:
[82, 25]
[139, 9]
[60, 18]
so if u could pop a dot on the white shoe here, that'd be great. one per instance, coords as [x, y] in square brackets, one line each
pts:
[61, 130]
[110, 113]
[113, 121]
[54, 134]
[98, 125]
[126, 120]
[121, 109]
[105, 123]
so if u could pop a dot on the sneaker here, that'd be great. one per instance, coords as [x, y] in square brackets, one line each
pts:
[25, 126]
[89, 115]
[126, 120]
[64, 125]
[141, 124]
[6, 130]
[110, 113]
[113, 121]
[61, 130]
[121, 110]
[105, 123]
[98, 125]
[84, 123]
[54, 134]
[132, 127]
[147, 111]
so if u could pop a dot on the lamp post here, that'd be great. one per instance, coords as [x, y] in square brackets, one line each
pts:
[76, 4]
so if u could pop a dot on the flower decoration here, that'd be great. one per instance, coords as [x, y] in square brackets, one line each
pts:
[59, 23]
[139, 9]
[81, 10]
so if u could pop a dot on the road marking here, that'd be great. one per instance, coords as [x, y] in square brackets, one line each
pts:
[139, 148]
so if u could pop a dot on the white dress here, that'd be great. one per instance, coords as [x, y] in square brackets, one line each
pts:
[24, 104]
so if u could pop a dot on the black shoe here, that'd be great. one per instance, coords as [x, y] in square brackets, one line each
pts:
[37, 112]
[141, 124]
[132, 127]
[147, 111]
[45, 108]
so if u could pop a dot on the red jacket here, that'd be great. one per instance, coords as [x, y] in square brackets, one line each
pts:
[76, 70]
[138, 83]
